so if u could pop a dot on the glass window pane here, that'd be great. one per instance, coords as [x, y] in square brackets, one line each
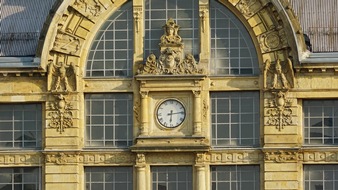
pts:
[230, 39]
[111, 46]
[320, 123]
[110, 120]
[20, 126]
[235, 120]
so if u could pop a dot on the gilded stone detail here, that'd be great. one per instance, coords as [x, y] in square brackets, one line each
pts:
[62, 76]
[279, 75]
[280, 112]
[281, 156]
[60, 114]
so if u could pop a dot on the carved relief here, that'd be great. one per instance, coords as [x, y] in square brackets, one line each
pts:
[89, 8]
[67, 43]
[136, 109]
[20, 159]
[280, 113]
[272, 41]
[63, 76]
[113, 158]
[61, 114]
[140, 159]
[280, 74]
[281, 156]
[205, 109]
[203, 16]
[244, 7]
[62, 158]
[137, 17]
[170, 60]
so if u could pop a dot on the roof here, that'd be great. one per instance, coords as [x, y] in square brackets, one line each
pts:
[21, 24]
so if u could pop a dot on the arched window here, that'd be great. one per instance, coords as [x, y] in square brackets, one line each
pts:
[232, 49]
[111, 52]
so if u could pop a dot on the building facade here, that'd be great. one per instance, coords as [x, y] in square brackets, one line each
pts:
[169, 95]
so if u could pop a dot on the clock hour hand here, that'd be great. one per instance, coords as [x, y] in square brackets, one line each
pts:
[171, 113]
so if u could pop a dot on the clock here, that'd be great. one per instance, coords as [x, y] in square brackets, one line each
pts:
[170, 113]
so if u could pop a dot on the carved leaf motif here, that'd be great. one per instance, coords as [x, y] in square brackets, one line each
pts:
[61, 115]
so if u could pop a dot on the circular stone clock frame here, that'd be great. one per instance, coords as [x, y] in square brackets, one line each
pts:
[170, 113]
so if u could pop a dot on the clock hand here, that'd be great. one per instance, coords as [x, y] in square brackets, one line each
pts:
[171, 113]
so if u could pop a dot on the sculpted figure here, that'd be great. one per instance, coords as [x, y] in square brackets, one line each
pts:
[170, 33]
[61, 74]
[280, 74]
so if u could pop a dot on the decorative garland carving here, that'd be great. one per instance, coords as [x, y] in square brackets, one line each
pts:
[205, 109]
[280, 73]
[61, 116]
[62, 158]
[63, 76]
[281, 156]
[170, 60]
[136, 109]
[280, 114]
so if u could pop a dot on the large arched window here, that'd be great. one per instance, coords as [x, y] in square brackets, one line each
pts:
[111, 52]
[232, 49]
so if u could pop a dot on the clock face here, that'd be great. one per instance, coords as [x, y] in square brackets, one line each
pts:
[170, 113]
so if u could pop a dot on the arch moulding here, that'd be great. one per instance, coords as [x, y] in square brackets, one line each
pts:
[273, 24]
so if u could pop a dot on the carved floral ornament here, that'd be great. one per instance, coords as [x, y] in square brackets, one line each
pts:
[280, 112]
[281, 156]
[171, 61]
[61, 116]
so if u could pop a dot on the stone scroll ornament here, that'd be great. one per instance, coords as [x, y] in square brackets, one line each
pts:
[171, 61]
[61, 116]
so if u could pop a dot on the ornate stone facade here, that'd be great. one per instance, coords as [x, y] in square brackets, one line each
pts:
[283, 83]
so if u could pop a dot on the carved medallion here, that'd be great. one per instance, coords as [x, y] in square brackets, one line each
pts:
[272, 41]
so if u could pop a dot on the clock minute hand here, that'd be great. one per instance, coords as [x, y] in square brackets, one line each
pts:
[176, 113]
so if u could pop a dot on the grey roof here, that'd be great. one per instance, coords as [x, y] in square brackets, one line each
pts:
[21, 22]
